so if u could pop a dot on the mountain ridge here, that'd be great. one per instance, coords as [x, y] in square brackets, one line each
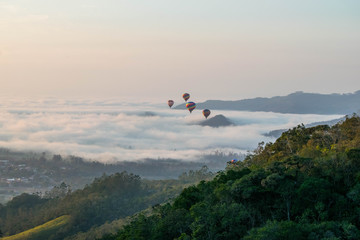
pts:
[296, 103]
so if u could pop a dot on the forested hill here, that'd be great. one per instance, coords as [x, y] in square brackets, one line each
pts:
[306, 185]
[108, 198]
[298, 102]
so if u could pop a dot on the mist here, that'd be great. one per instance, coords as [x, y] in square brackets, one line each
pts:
[116, 130]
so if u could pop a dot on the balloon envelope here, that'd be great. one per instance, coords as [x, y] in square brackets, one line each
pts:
[170, 103]
[206, 113]
[190, 106]
[186, 96]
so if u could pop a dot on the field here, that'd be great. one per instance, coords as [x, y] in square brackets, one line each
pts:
[41, 230]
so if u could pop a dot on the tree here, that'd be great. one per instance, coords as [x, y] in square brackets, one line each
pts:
[58, 191]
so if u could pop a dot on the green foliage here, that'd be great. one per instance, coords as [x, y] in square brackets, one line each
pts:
[306, 185]
[273, 230]
[97, 209]
[188, 197]
[25, 201]
[196, 176]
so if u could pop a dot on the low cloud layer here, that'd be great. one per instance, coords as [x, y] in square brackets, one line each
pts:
[117, 130]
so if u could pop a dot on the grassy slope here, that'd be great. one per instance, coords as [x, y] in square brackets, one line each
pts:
[114, 226]
[42, 230]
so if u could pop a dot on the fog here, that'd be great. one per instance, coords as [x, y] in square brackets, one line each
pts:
[117, 130]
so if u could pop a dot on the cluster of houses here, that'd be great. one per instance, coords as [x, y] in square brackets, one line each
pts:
[7, 166]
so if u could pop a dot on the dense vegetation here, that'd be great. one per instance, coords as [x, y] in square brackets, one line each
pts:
[108, 198]
[306, 185]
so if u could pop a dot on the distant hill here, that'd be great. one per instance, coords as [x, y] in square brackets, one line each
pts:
[217, 121]
[298, 102]
[277, 133]
[61, 213]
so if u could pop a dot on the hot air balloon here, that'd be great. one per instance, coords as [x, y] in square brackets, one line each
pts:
[186, 96]
[191, 106]
[206, 113]
[170, 103]
[234, 160]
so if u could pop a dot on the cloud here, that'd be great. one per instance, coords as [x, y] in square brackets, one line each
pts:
[114, 130]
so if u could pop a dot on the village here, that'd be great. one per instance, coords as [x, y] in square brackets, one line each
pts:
[16, 178]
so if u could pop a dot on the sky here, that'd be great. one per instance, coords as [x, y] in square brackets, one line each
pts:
[213, 49]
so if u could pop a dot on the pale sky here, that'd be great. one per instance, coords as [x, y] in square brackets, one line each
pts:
[213, 49]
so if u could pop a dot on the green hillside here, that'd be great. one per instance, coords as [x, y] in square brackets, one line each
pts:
[41, 232]
[107, 199]
[306, 185]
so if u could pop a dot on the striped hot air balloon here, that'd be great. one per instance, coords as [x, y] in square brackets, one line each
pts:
[206, 113]
[186, 96]
[191, 106]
